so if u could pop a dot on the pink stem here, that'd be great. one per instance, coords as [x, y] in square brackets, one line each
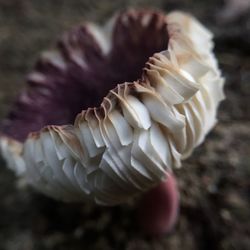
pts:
[159, 208]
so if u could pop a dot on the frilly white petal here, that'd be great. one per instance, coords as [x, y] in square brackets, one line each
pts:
[141, 130]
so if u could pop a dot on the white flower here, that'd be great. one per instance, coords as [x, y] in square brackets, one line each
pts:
[142, 129]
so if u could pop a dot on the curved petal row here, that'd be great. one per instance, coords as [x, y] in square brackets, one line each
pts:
[139, 133]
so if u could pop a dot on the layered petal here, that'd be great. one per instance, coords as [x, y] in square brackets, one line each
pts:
[142, 129]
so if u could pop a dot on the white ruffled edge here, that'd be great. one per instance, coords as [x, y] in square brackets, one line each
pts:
[140, 132]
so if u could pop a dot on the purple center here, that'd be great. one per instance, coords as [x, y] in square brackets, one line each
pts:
[62, 92]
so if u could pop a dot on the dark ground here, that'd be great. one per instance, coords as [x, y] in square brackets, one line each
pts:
[214, 182]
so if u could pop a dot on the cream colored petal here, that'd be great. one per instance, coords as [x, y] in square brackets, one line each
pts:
[140, 132]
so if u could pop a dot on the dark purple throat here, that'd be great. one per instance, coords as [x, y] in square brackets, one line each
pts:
[57, 94]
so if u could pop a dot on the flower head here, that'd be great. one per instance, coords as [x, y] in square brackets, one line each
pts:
[162, 87]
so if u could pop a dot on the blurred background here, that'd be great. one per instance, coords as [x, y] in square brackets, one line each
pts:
[214, 182]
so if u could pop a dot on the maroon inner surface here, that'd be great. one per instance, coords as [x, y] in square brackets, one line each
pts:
[63, 93]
